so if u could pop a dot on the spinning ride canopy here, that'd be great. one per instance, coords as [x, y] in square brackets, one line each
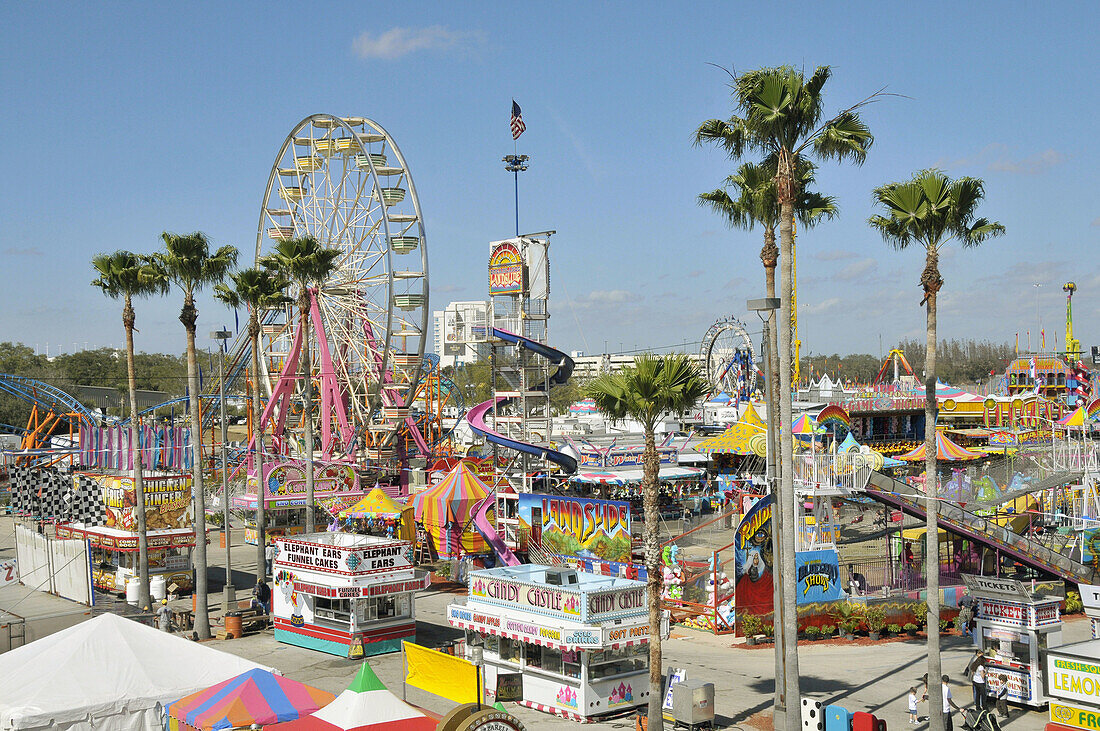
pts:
[805, 425]
[751, 417]
[344, 181]
[1077, 417]
[452, 501]
[366, 704]
[946, 451]
[742, 438]
[375, 504]
[256, 697]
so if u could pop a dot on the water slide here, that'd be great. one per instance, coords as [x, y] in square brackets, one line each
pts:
[1057, 559]
[475, 417]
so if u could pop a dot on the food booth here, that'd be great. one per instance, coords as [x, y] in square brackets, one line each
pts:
[336, 486]
[1073, 685]
[114, 555]
[1016, 623]
[345, 594]
[578, 640]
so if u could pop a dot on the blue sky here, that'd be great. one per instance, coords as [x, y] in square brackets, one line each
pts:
[123, 120]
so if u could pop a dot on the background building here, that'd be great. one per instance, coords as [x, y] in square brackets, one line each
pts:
[461, 332]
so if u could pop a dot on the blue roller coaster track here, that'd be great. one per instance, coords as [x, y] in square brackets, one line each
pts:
[46, 396]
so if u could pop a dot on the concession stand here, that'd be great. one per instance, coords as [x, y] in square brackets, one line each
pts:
[1016, 623]
[114, 555]
[576, 642]
[336, 486]
[1073, 686]
[345, 594]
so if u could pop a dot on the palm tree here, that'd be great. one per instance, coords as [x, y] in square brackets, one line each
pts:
[931, 210]
[779, 114]
[307, 263]
[126, 275]
[258, 289]
[652, 387]
[188, 263]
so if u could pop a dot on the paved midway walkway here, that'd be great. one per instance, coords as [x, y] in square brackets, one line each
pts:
[873, 678]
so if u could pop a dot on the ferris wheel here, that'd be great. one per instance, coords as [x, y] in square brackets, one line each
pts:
[730, 358]
[344, 181]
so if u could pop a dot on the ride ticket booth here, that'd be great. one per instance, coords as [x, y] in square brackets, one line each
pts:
[561, 641]
[345, 594]
[1016, 623]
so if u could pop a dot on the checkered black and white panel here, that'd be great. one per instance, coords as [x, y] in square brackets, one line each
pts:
[53, 489]
[20, 488]
[87, 505]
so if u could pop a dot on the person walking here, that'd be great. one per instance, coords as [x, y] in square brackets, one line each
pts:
[978, 681]
[164, 616]
[913, 705]
[269, 556]
[945, 690]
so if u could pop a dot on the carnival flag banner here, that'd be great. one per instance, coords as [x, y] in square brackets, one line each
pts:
[753, 543]
[444, 675]
[818, 576]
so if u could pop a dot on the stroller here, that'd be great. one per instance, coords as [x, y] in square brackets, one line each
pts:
[984, 720]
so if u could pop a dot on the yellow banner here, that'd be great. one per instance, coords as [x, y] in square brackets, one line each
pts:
[446, 676]
[1074, 716]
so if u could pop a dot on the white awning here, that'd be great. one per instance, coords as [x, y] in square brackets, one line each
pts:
[632, 476]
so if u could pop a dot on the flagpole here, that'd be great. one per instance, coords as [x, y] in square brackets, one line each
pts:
[516, 163]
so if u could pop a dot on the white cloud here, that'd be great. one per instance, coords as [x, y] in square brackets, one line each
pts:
[835, 255]
[997, 157]
[821, 307]
[607, 297]
[1096, 221]
[27, 251]
[856, 270]
[398, 42]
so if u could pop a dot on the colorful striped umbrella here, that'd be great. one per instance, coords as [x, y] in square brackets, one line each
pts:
[1075, 418]
[366, 704]
[834, 416]
[256, 697]
[805, 425]
[1094, 410]
[946, 450]
[452, 500]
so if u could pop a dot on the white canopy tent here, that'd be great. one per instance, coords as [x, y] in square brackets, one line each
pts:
[108, 672]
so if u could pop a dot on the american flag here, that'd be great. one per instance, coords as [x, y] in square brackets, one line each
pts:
[518, 126]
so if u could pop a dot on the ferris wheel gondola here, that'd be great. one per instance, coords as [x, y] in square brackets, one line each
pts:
[344, 181]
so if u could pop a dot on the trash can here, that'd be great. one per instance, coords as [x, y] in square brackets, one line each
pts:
[233, 627]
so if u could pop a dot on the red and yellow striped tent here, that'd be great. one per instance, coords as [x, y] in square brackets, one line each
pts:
[446, 508]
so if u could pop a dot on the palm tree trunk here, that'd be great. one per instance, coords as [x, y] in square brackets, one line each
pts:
[307, 416]
[202, 611]
[785, 495]
[135, 449]
[258, 437]
[779, 701]
[652, 539]
[932, 538]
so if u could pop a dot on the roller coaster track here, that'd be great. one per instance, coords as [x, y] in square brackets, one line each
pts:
[46, 396]
[1055, 559]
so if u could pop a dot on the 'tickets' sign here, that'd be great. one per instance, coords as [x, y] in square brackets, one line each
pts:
[505, 270]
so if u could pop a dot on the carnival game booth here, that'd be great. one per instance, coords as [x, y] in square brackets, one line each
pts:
[446, 510]
[114, 556]
[579, 640]
[1017, 623]
[335, 487]
[345, 594]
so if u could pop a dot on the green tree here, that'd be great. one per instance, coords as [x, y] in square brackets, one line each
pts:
[652, 387]
[931, 210]
[124, 275]
[256, 289]
[188, 262]
[307, 263]
[780, 114]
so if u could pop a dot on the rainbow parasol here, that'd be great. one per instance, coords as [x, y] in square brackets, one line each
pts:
[1093, 410]
[946, 451]
[256, 697]
[834, 416]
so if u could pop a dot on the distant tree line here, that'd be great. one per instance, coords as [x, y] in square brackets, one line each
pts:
[958, 362]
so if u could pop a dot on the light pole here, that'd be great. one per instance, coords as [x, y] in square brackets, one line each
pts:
[765, 308]
[228, 595]
[516, 164]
